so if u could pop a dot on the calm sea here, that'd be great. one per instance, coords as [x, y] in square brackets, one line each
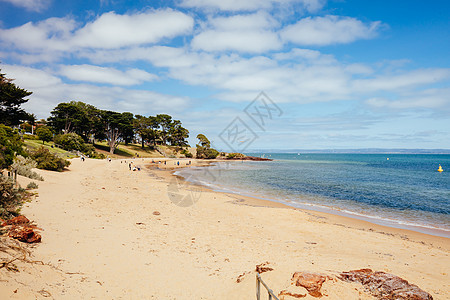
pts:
[398, 190]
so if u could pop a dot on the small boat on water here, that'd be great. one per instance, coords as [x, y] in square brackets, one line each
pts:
[440, 169]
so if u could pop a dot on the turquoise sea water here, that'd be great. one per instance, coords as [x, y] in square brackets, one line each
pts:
[404, 191]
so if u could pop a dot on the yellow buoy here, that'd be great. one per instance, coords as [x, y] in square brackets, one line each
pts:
[440, 169]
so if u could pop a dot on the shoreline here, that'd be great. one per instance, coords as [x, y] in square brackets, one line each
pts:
[380, 221]
[108, 232]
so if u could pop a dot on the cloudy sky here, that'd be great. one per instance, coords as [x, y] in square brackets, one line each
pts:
[335, 74]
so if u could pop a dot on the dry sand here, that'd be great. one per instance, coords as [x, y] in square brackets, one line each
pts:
[102, 238]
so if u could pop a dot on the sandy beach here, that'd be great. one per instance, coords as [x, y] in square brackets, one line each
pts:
[111, 233]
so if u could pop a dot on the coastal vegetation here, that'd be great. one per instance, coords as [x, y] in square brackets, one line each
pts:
[204, 149]
[11, 198]
[93, 125]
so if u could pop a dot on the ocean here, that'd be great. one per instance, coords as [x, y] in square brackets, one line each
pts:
[398, 190]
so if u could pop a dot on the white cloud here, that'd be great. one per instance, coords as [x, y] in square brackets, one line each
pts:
[328, 30]
[31, 5]
[243, 33]
[241, 41]
[51, 34]
[89, 73]
[48, 90]
[428, 99]
[60, 36]
[404, 81]
[111, 30]
[250, 5]
[30, 78]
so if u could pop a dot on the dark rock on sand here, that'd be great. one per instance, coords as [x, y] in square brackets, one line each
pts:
[385, 286]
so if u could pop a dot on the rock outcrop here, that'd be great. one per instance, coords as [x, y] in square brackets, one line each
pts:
[384, 285]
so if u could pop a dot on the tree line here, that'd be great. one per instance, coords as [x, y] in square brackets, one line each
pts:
[94, 124]
[76, 122]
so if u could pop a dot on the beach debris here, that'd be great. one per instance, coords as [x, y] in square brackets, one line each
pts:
[312, 282]
[44, 293]
[156, 213]
[287, 293]
[19, 220]
[384, 285]
[261, 268]
[241, 277]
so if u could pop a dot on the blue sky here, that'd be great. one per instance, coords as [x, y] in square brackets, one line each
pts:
[343, 74]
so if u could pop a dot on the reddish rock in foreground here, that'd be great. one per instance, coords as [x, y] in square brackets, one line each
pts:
[20, 228]
[312, 282]
[24, 234]
[385, 286]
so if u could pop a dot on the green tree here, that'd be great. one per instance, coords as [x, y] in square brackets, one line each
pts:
[141, 126]
[70, 141]
[204, 149]
[116, 127]
[164, 121]
[11, 98]
[44, 133]
[10, 145]
[178, 134]
[126, 127]
[203, 140]
[65, 117]
[78, 117]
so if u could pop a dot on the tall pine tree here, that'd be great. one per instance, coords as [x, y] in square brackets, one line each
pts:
[11, 98]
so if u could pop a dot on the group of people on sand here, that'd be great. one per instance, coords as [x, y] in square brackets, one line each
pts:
[131, 166]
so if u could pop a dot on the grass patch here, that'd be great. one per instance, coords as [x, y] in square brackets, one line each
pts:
[103, 147]
[125, 151]
[36, 144]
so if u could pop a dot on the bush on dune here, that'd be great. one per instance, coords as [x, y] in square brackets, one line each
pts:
[10, 145]
[49, 161]
[24, 167]
[11, 198]
[72, 141]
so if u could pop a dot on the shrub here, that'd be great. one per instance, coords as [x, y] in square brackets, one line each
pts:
[24, 167]
[49, 161]
[44, 133]
[11, 198]
[72, 141]
[32, 185]
[10, 144]
[90, 151]
[69, 141]
[186, 153]
[30, 137]
[235, 155]
[211, 153]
